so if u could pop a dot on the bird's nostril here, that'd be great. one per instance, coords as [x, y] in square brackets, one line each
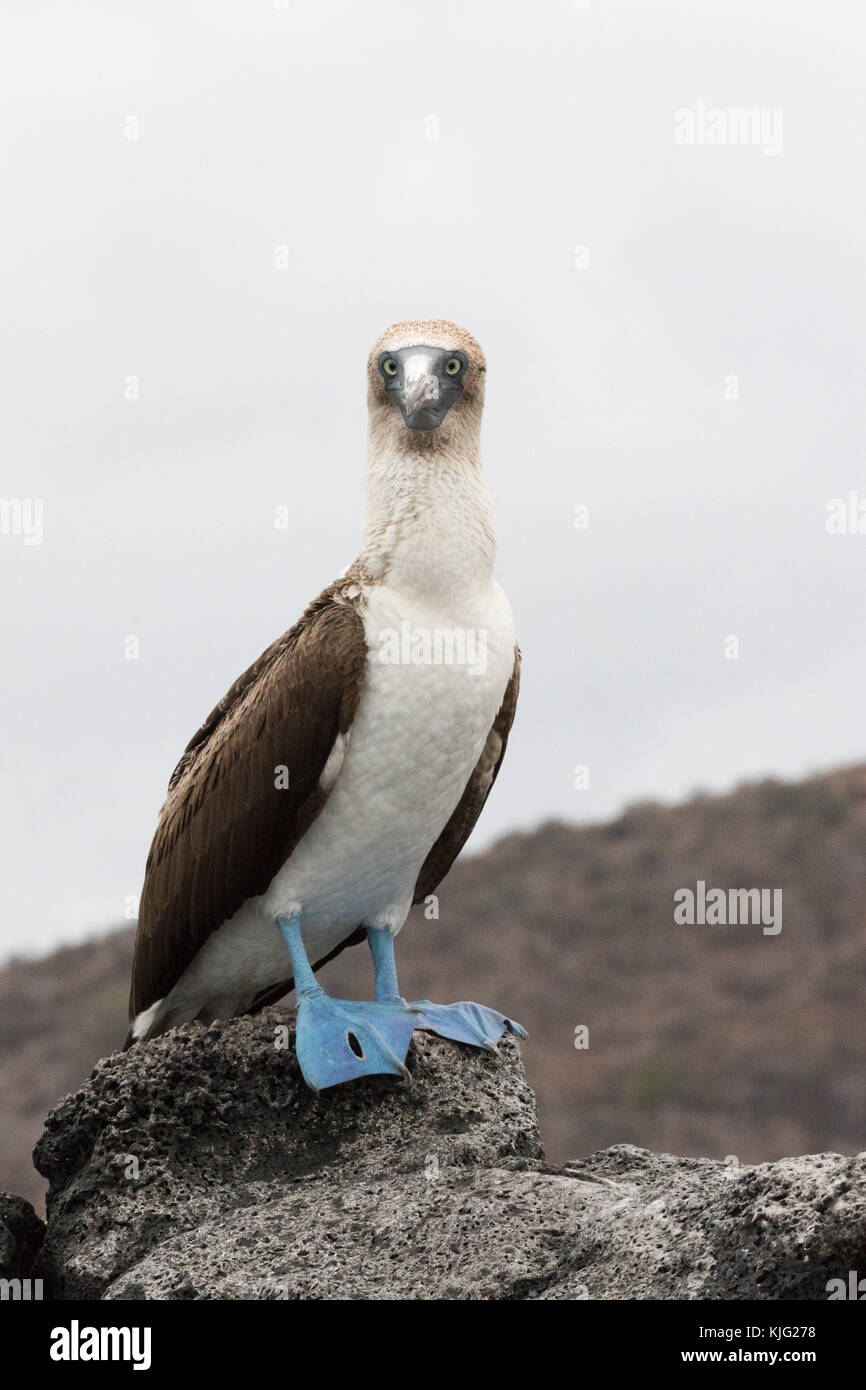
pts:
[355, 1045]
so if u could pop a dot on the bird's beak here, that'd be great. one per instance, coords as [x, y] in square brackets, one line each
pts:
[420, 398]
[420, 384]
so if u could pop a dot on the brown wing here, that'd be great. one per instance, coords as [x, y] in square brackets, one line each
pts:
[471, 803]
[227, 827]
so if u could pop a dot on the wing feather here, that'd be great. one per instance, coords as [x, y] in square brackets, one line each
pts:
[226, 828]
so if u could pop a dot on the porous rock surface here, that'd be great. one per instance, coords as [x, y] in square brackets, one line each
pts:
[21, 1234]
[199, 1166]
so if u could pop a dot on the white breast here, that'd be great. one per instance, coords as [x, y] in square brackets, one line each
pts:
[435, 681]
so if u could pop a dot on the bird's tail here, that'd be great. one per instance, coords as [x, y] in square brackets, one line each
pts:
[149, 1024]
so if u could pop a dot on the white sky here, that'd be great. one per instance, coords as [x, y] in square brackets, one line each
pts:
[307, 126]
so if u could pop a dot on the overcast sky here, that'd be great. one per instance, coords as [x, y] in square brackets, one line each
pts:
[674, 333]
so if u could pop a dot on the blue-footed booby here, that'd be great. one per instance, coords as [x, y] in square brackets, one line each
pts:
[340, 776]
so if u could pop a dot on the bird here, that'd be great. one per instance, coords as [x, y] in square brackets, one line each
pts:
[338, 779]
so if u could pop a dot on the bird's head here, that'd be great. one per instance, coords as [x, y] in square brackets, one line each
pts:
[426, 378]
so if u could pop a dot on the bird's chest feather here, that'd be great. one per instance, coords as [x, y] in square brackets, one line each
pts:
[435, 680]
[436, 675]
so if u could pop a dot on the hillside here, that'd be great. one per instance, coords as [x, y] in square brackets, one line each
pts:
[703, 1040]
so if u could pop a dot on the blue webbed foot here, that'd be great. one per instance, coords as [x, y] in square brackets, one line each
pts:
[340, 1040]
[465, 1022]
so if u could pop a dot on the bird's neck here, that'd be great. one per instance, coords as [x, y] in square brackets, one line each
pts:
[429, 526]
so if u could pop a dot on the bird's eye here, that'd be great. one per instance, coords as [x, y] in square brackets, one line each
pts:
[389, 367]
[453, 365]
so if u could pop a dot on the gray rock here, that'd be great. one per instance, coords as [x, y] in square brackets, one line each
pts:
[200, 1166]
[21, 1234]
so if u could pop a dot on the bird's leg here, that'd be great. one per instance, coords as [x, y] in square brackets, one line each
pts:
[381, 943]
[341, 1039]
